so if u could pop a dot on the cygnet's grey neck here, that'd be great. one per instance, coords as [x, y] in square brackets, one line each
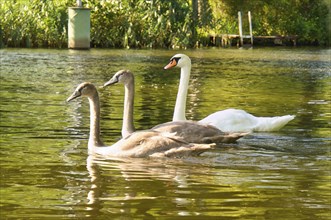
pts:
[94, 139]
[128, 126]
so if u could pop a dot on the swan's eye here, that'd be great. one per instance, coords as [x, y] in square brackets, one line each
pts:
[175, 60]
[119, 76]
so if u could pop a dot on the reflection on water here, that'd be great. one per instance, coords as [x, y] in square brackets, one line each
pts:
[46, 172]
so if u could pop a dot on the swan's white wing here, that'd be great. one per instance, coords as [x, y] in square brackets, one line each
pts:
[231, 120]
[235, 120]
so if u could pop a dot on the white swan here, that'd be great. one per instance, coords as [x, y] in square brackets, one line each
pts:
[229, 120]
[192, 132]
[145, 143]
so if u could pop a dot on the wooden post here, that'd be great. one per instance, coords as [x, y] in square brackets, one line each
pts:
[240, 29]
[250, 26]
[195, 18]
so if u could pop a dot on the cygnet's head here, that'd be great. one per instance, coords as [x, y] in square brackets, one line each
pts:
[122, 76]
[84, 89]
[179, 60]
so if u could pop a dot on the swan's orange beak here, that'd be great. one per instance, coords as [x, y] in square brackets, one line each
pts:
[172, 63]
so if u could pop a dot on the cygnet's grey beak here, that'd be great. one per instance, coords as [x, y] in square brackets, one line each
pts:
[112, 81]
[74, 95]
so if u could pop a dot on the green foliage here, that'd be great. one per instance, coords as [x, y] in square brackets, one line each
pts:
[305, 18]
[34, 23]
[160, 23]
[140, 23]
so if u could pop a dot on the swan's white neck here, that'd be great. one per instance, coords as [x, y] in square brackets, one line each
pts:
[94, 139]
[180, 107]
[128, 126]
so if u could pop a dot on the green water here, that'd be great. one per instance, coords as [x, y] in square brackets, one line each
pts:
[46, 172]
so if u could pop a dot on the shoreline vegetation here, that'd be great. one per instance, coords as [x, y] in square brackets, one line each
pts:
[163, 23]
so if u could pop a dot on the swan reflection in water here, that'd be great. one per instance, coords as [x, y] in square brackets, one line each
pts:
[224, 179]
[126, 182]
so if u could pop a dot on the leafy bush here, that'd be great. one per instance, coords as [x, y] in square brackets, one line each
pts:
[160, 23]
[34, 23]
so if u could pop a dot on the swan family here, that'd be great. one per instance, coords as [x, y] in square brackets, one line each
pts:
[177, 138]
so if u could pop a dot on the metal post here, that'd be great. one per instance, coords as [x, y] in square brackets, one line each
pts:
[79, 28]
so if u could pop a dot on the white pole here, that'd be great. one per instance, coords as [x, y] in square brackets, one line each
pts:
[79, 3]
[240, 29]
[250, 26]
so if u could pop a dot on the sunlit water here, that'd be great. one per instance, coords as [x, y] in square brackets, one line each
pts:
[46, 172]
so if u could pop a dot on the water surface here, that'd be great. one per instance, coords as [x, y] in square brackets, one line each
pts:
[47, 173]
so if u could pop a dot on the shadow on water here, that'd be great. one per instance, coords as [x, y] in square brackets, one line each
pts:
[294, 145]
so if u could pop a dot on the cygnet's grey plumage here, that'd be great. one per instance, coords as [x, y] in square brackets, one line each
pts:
[190, 131]
[147, 143]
